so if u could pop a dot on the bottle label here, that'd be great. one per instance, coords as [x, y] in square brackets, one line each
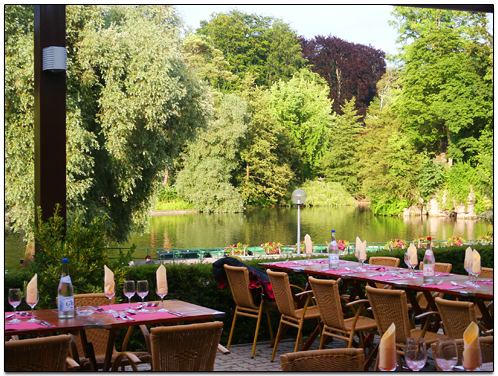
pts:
[429, 270]
[333, 259]
[66, 279]
[66, 303]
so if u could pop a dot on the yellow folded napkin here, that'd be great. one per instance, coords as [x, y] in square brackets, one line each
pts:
[387, 349]
[471, 355]
[363, 251]
[32, 290]
[162, 282]
[476, 262]
[412, 253]
[468, 254]
[308, 245]
[108, 281]
[358, 246]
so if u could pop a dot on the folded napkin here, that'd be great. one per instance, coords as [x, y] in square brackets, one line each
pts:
[412, 253]
[471, 353]
[308, 245]
[32, 291]
[468, 255]
[476, 262]
[360, 249]
[387, 349]
[108, 281]
[162, 282]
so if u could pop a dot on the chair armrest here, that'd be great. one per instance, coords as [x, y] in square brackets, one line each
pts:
[71, 364]
[426, 314]
[297, 287]
[304, 293]
[360, 301]
[132, 358]
[73, 349]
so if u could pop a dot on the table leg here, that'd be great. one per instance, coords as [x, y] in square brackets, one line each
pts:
[488, 320]
[88, 349]
[110, 349]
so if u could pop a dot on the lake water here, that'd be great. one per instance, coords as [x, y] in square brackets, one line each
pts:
[257, 226]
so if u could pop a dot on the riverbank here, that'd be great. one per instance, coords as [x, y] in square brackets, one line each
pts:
[158, 213]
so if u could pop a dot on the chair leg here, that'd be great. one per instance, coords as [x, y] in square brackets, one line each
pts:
[272, 336]
[260, 313]
[299, 335]
[231, 330]
[277, 338]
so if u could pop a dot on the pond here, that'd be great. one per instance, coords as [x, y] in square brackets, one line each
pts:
[257, 226]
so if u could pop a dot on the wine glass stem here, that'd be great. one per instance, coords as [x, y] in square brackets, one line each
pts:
[162, 302]
[129, 304]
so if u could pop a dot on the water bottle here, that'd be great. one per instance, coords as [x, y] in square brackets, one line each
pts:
[65, 293]
[333, 253]
[429, 263]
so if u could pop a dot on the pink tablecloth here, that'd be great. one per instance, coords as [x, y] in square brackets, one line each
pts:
[152, 314]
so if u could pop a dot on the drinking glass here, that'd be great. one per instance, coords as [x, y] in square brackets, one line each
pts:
[32, 304]
[475, 363]
[143, 291]
[162, 295]
[129, 291]
[415, 353]
[467, 264]
[309, 253]
[446, 353]
[15, 298]
[361, 267]
[410, 266]
[391, 363]
[475, 275]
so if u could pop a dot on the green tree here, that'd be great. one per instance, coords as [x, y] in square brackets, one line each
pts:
[264, 47]
[266, 155]
[446, 99]
[131, 105]
[303, 108]
[209, 160]
[340, 162]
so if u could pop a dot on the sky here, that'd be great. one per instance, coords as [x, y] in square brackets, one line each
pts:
[362, 24]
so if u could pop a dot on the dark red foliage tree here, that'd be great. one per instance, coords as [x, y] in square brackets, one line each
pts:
[351, 70]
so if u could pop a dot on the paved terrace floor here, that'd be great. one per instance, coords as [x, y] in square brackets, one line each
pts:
[239, 359]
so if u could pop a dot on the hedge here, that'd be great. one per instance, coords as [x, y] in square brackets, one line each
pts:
[194, 283]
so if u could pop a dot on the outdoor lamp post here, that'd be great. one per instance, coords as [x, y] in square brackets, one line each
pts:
[299, 198]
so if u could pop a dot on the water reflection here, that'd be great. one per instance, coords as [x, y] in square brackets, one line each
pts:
[257, 226]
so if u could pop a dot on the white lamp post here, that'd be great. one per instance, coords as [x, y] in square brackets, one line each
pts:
[299, 198]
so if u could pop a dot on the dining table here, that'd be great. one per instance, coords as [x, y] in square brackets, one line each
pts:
[48, 322]
[355, 275]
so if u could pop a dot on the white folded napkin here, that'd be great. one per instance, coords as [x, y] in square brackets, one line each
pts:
[412, 253]
[471, 355]
[476, 262]
[32, 290]
[108, 281]
[308, 245]
[387, 349]
[162, 282]
[358, 246]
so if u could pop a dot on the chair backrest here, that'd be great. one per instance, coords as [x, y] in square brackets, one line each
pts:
[283, 293]
[390, 306]
[238, 279]
[440, 267]
[189, 348]
[97, 337]
[47, 354]
[386, 261]
[329, 360]
[487, 350]
[328, 300]
[456, 316]
[486, 273]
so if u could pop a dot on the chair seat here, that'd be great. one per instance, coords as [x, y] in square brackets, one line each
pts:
[312, 312]
[85, 364]
[270, 305]
[363, 323]
[430, 337]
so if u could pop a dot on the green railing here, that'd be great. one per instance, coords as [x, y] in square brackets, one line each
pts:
[181, 254]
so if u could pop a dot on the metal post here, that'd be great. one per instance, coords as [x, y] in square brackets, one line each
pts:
[298, 229]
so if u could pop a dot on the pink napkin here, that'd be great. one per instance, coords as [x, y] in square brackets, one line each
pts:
[387, 277]
[445, 286]
[153, 314]
[23, 325]
[339, 271]
[18, 315]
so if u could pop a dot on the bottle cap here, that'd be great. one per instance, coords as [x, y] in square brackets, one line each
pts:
[64, 261]
[333, 230]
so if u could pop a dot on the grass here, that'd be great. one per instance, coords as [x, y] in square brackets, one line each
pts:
[177, 204]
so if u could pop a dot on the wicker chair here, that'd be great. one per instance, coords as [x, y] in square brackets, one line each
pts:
[185, 348]
[99, 338]
[290, 315]
[389, 306]
[487, 350]
[456, 316]
[385, 261]
[47, 354]
[330, 360]
[486, 273]
[238, 278]
[328, 300]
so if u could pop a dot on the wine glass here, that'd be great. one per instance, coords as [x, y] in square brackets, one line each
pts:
[410, 265]
[415, 353]
[32, 304]
[362, 260]
[467, 264]
[15, 298]
[162, 293]
[446, 353]
[143, 291]
[309, 252]
[388, 361]
[472, 359]
[475, 274]
[110, 293]
[129, 291]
